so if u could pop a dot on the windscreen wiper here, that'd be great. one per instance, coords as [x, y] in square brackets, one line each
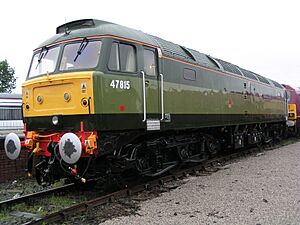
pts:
[82, 46]
[42, 54]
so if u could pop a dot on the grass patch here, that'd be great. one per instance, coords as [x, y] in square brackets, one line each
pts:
[3, 215]
[22, 207]
[58, 183]
[45, 206]
[61, 201]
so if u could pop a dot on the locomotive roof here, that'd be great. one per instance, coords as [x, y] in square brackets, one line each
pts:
[291, 88]
[92, 27]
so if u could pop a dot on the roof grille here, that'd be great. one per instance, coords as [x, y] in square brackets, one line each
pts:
[276, 84]
[229, 67]
[248, 74]
[262, 79]
[172, 49]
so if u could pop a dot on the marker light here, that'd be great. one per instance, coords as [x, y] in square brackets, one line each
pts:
[84, 102]
[55, 120]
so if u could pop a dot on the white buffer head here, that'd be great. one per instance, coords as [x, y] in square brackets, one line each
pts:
[70, 148]
[12, 146]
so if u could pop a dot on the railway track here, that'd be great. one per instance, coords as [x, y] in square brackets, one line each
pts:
[10, 202]
[203, 169]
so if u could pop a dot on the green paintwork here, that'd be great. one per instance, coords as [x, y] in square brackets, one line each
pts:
[179, 98]
[215, 98]
[190, 105]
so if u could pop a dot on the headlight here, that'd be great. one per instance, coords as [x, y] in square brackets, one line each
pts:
[67, 97]
[55, 120]
[39, 99]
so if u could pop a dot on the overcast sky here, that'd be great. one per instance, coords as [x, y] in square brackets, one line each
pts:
[259, 35]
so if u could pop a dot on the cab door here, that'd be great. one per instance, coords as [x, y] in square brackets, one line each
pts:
[151, 80]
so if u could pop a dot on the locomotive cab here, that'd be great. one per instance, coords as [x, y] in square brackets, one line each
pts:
[78, 87]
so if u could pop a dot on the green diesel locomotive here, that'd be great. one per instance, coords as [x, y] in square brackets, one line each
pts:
[103, 98]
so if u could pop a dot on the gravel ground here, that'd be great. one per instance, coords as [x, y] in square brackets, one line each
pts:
[261, 190]
[258, 190]
[18, 187]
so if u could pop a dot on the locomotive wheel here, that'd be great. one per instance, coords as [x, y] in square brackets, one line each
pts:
[212, 146]
[143, 161]
[44, 175]
[150, 159]
[183, 152]
[142, 164]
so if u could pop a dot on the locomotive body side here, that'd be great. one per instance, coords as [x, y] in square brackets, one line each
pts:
[116, 98]
[111, 91]
[215, 98]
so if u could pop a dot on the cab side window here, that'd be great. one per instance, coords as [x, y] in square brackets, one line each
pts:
[122, 58]
[150, 67]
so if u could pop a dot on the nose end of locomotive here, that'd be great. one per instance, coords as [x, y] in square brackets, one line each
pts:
[12, 146]
[290, 123]
[70, 148]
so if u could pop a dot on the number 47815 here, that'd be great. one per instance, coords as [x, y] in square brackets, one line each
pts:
[121, 84]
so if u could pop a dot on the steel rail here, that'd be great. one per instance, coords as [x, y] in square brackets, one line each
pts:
[13, 201]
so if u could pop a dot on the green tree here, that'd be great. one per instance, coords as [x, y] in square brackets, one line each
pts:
[7, 78]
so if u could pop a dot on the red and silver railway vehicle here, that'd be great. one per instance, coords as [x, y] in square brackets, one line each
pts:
[293, 97]
[10, 116]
